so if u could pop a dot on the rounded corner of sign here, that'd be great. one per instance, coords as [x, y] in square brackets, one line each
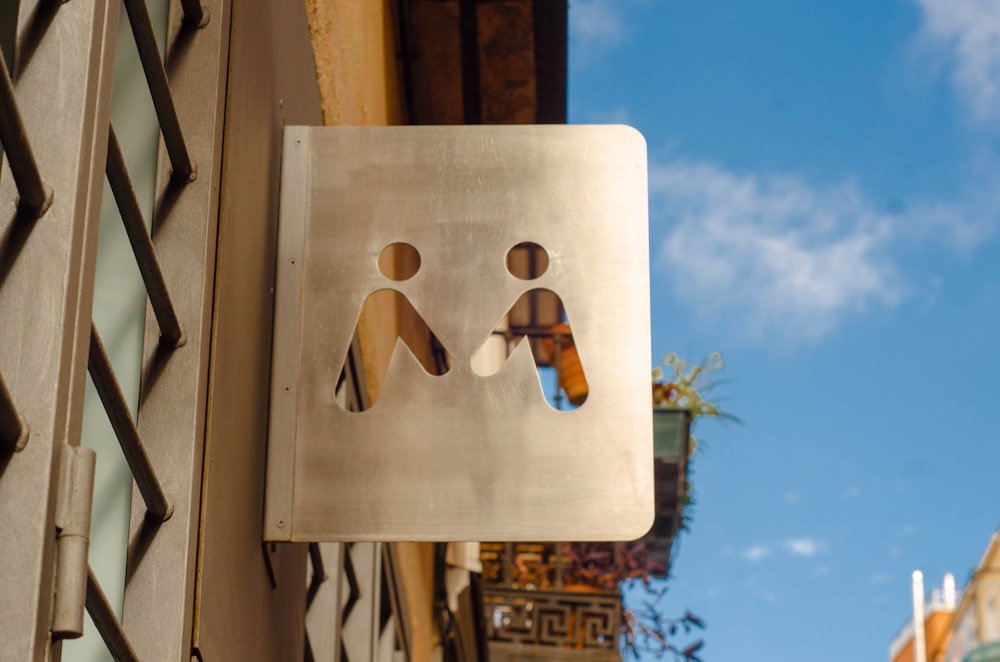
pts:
[643, 524]
[634, 134]
[630, 135]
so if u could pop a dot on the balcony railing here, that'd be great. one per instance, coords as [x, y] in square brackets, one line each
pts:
[552, 624]
[556, 601]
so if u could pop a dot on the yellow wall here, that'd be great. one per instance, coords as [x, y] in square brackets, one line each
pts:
[354, 42]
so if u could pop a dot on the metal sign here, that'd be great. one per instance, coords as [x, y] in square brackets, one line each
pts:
[470, 454]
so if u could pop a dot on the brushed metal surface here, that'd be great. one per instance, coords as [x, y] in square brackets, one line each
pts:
[461, 456]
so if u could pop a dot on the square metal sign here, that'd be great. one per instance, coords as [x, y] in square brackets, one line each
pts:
[461, 455]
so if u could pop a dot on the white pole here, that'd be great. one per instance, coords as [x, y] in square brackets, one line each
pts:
[919, 642]
[949, 591]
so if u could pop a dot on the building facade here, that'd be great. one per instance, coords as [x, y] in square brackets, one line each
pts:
[956, 627]
[136, 318]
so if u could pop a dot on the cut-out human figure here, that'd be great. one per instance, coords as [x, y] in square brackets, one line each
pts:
[553, 344]
[397, 262]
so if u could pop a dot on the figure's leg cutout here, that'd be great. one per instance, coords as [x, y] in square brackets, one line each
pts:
[551, 342]
[389, 310]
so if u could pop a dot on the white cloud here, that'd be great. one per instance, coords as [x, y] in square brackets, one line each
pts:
[775, 257]
[772, 254]
[970, 32]
[595, 23]
[791, 497]
[805, 546]
[755, 553]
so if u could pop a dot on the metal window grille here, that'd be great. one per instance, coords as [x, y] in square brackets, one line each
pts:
[52, 218]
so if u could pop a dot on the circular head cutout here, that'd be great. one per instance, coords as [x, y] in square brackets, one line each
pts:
[399, 261]
[527, 260]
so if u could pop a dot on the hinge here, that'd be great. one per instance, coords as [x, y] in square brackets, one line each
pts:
[76, 493]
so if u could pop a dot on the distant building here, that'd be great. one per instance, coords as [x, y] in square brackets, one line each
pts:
[975, 627]
[955, 628]
[936, 610]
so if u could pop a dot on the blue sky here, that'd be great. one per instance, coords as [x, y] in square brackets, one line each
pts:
[825, 210]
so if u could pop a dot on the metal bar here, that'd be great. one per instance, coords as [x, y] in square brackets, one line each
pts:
[508, 564]
[559, 566]
[159, 89]
[171, 332]
[318, 573]
[35, 196]
[104, 619]
[101, 372]
[13, 428]
[193, 13]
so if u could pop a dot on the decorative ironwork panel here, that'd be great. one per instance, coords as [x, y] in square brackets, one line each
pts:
[580, 621]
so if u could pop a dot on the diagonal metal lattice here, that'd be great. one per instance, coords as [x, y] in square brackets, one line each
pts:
[103, 376]
[194, 13]
[13, 427]
[171, 332]
[35, 196]
[107, 623]
[159, 89]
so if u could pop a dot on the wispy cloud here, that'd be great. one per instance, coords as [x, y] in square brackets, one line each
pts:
[768, 597]
[880, 578]
[791, 497]
[772, 253]
[852, 492]
[778, 257]
[805, 546]
[755, 553]
[969, 31]
[595, 23]
[821, 570]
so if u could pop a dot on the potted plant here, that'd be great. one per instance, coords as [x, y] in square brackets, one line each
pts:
[678, 400]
